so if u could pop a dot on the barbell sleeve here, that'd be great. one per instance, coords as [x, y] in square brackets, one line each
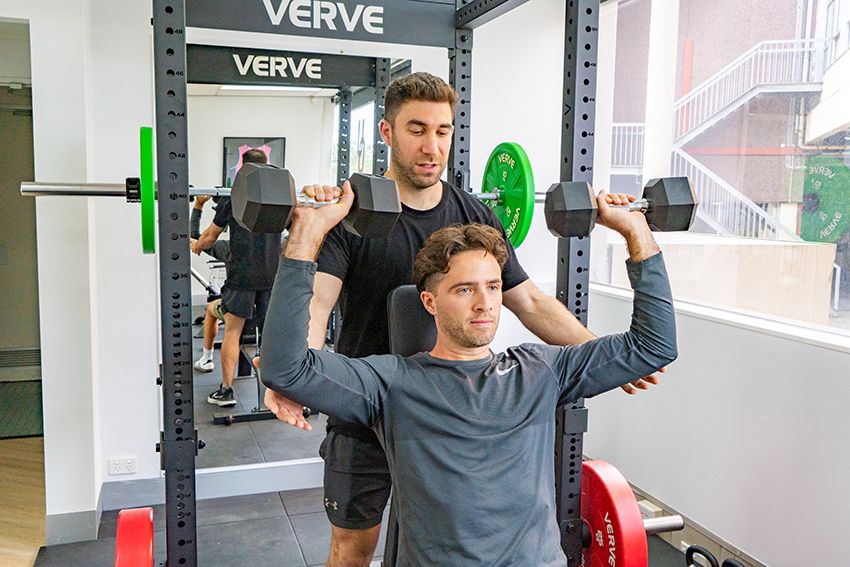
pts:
[663, 524]
[539, 197]
[32, 189]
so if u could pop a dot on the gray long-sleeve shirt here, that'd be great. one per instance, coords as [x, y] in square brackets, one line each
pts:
[469, 443]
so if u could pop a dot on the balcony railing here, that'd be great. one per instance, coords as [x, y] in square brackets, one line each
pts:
[627, 145]
[726, 206]
[767, 63]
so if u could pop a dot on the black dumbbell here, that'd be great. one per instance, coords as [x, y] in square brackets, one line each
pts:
[264, 198]
[670, 204]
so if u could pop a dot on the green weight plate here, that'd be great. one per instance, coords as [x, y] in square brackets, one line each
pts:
[826, 200]
[508, 174]
[147, 190]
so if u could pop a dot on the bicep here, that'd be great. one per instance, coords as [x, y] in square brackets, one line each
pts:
[326, 290]
[545, 316]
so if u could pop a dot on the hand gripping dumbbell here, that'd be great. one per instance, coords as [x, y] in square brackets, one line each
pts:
[670, 204]
[264, 198]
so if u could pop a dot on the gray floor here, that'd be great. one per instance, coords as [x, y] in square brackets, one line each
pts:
[286, 529]
[247, 442]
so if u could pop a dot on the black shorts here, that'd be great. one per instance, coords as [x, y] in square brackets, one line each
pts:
[357, 479]
[241, 303]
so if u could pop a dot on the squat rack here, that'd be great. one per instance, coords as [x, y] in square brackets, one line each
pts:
[451, 25]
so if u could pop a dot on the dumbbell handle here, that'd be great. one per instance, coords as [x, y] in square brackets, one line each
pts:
[641, 205]
[306, 201]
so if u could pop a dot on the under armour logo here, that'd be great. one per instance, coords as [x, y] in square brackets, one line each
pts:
[328, 504]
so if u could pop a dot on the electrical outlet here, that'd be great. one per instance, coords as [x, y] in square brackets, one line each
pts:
[649, 510]
[122, 466]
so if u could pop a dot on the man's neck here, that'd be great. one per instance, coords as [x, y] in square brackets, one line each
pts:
[416, 198]
[446, 351]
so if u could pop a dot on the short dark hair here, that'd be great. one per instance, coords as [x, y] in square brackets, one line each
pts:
[255, 155]
[417, 86]
[434, 259]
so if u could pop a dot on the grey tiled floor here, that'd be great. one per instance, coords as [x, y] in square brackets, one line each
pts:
[286, 529]
[245, 442]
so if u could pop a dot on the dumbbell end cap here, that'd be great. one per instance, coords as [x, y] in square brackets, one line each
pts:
[570, 209]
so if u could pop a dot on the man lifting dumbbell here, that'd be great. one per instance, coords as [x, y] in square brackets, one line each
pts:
[468, 434]
[419, 112]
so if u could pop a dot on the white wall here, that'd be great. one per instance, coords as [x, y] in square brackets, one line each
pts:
[747, 434]
[91, 76]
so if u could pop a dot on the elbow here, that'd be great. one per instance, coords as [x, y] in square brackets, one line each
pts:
[659, 353]
[670, 355]
[665, 354]
[278, 378]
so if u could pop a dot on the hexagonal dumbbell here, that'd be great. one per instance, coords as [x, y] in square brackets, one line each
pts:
[670, 204]
[264, 198]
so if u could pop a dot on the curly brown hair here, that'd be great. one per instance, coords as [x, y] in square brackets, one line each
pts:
[417, 86]
[434, 259]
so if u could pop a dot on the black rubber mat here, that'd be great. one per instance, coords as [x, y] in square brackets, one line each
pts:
[20, 409]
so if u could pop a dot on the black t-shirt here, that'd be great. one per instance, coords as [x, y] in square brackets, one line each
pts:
[371, 268]
[253, 257]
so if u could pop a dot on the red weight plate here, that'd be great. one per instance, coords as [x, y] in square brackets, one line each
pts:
[618, 538]
[134, 538]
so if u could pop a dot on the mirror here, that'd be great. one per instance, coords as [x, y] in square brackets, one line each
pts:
[307, 116]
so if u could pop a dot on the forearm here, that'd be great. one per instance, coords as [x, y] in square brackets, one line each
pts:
[641, 243]
[326, 289]
[333, 384]
[304, 242]
[195, 223]
[208, 237]
[650, 343]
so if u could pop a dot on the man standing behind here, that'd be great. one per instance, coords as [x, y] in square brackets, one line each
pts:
[418, 125]
[250, 276]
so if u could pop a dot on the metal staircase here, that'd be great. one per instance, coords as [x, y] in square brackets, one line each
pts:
[724, 208]
[768, 68]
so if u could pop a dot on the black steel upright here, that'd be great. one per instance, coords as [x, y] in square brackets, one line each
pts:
[343, 152]
[178, 440]
[573, 276]
[383, 73]
[460, 77]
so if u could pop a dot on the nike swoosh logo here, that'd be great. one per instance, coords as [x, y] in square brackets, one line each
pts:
[501, 372]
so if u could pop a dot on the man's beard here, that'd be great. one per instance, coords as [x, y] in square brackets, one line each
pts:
[407, 174]
[456, 331]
